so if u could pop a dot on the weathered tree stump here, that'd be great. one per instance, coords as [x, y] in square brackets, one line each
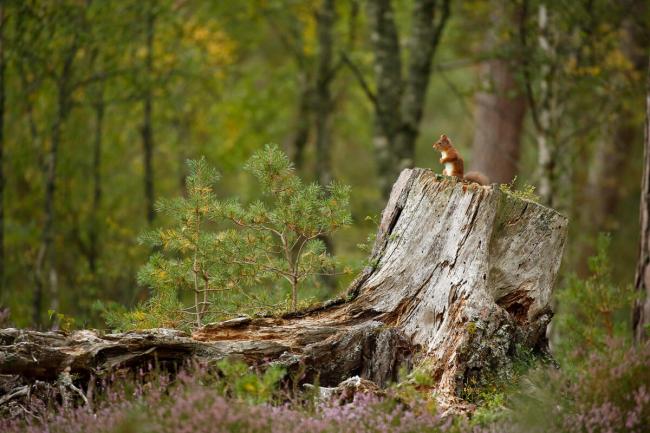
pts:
[460, 275]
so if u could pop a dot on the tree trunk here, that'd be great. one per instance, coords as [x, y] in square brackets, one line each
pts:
[388, 81]
[303, 123]
[499, 120]
[93, 249]
[461, 276]
[323, 107]
[423, 41]
[37, 295]
[611, 165]
[2, 144]
[604, 183]
[27, 82]
[147, 127]
[399, 102]
[543, 106]
[183, 139]
[45, 265]
[323, 102]
[546, 146]
[604, 187]
[45, 269]
[499, 110]
[641, 318]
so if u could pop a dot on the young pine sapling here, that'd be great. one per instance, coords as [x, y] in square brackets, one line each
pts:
[191, 257]
[285, 234]
[221, 271]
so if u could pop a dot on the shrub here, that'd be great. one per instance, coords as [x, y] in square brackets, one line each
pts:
[491, 393]
[613, 392]
[190, 404]
[610, 394]
[188, 258]
[286, 233]
[223, 253]
[591, 311]
[602, 384]
[240, 382]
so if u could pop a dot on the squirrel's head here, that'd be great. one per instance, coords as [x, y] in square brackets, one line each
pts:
[443, 144]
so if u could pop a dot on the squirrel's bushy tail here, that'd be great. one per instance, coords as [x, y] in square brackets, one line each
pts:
[478, 177]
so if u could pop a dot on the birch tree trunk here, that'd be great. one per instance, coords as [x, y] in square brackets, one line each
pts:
[546, 154]
[460, 275]
[641, 318]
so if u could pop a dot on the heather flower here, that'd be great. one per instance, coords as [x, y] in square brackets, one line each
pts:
[189, 406]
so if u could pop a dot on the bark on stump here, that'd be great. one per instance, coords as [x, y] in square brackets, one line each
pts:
[459, 275]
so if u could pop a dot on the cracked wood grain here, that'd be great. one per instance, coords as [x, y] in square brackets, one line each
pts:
[460, 275]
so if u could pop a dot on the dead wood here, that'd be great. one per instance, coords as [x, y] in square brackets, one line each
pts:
[460, 275]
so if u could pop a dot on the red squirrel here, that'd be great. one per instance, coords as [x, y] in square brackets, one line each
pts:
[453, 162]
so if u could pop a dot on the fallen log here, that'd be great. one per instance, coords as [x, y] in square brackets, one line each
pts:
[460, 275]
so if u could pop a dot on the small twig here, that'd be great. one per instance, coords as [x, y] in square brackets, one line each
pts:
[18, 392]
[80, 393]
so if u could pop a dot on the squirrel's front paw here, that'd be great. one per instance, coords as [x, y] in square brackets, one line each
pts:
[442, 160]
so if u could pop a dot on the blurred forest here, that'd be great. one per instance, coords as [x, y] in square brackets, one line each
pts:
[102, 101]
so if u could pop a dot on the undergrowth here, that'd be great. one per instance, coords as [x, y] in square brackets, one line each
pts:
[233, 399]
[491, 394]
[610, 395]
[221, 258]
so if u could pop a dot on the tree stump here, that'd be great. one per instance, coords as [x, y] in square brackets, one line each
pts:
[459, 275]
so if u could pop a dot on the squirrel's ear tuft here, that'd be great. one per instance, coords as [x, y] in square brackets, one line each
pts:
[443, 137]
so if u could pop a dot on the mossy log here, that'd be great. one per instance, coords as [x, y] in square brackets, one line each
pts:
[460, 276]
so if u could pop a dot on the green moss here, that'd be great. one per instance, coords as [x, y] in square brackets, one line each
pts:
[489, 391]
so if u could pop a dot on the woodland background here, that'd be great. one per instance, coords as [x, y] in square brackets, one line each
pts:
[102, 101]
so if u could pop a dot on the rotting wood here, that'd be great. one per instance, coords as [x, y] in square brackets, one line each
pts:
[460, 275]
